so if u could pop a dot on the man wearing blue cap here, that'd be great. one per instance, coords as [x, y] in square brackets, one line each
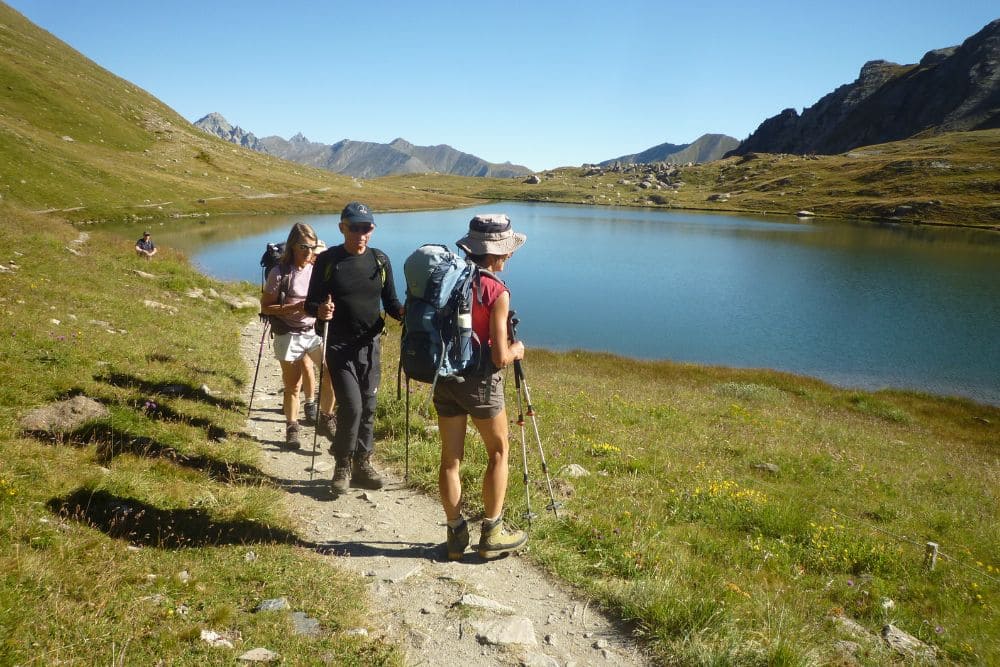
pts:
[350, 284]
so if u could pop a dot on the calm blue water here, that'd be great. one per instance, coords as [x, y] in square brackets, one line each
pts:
[859, 305]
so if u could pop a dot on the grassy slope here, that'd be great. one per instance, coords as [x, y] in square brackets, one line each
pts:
[168, 471]
[714, 559]
[76, 138]
[946, 179]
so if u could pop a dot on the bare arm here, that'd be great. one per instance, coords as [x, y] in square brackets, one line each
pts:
[503, 351]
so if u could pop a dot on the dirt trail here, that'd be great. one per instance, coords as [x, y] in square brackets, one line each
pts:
[394, 537]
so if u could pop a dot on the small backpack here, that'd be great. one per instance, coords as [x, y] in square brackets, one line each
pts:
[438, 342]
[270, 259]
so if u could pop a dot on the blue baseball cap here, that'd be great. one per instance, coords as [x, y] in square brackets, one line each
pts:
[357, 212]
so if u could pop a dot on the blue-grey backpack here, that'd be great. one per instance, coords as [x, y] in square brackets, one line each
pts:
[438, 342]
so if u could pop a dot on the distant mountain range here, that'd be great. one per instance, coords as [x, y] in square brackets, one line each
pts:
[363, 159]
[955, 88]
[705, 148]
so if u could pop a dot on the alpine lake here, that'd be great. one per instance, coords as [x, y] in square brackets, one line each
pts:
[858, 304]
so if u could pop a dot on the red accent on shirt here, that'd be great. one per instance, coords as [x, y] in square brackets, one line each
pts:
[492, 288]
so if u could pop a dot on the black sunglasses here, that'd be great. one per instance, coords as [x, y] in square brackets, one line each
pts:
[306, 246]
[360, 228]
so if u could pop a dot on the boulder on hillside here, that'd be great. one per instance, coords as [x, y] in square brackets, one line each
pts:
[532, 180]
[59, 419]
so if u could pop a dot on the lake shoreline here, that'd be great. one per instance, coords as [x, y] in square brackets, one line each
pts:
[859, 305]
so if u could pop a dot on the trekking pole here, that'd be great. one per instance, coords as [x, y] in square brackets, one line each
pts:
[319, 407]
[528, 514]
[260, 353]
[519, 371]
[406, 474]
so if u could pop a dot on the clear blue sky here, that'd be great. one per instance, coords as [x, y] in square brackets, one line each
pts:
[545, 83]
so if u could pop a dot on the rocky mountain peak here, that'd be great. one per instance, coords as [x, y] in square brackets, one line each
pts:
[401, 144]
[937, 55]
[214, 122]
[951, 89]
[877, 72]
[362, 158]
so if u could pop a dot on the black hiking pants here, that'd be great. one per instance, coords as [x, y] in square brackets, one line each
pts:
[355, 372]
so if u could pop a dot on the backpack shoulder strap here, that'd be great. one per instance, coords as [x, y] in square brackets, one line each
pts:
[481, 273]
[284, 281]
[381, 261]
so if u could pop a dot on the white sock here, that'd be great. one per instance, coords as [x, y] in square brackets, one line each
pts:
[455, 523]
[493, 520]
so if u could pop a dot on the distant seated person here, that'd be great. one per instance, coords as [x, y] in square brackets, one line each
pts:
[145, 247]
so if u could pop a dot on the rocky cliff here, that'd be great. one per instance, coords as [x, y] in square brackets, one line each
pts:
[363, 159]
[956, 88]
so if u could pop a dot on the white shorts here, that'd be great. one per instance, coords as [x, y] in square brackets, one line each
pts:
[294, 346]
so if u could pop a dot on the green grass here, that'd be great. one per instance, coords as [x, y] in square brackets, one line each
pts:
[718, 559]
[728, 514]
[96, 528]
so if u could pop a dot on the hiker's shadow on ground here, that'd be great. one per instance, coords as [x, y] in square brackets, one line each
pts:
[113, 442]
[142, 524]
[317, 488]
[372, 548]
[154, 411]
[165, 388]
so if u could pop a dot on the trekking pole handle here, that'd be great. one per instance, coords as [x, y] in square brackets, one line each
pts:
[512, 321]
[329, 300]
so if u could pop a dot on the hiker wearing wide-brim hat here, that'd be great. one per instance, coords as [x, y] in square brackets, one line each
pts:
[489, 243]
[491, 235]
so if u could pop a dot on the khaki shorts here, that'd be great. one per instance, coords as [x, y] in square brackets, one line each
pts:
[294, 346]
[480, 398]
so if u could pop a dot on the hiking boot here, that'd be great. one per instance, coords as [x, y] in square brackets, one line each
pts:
[458, 540]
[292, 436]
[309, 412]
[341, 478]
[495, 540]
[325, 426]
[364, 476]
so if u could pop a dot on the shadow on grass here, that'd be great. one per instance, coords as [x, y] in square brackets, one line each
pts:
[174, 389]
[236, 380]
[142, 524]
[161, 412]
[155, 411]
[115, 442]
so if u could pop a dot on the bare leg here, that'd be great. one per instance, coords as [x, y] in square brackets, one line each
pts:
[452, 450]
[326, 396]
[495, 436]
[308, 379]
[291, 376]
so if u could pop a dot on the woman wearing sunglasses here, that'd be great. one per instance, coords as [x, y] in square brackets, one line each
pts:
[295, 339]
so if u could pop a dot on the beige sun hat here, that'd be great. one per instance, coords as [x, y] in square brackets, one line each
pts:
[491, 234]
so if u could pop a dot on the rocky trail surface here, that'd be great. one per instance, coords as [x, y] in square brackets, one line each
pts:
[472, 612]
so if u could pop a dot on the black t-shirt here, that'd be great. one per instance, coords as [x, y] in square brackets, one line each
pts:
[360, 286]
